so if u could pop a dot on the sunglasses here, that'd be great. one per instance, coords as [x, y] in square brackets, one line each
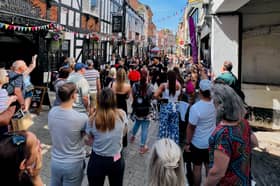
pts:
[19, 141]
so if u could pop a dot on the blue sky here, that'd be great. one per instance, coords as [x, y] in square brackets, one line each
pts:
[164, 8]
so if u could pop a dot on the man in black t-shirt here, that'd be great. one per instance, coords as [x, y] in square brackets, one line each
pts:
[155, 71]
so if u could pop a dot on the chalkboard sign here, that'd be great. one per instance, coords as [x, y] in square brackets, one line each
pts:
[117, 24]
[37, 99]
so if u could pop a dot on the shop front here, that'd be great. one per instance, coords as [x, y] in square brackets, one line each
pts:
[23, 30]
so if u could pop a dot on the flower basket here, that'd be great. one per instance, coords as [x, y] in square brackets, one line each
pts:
[95, 39]
[54, 45]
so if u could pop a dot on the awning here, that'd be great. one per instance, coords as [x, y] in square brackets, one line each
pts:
[223, 6]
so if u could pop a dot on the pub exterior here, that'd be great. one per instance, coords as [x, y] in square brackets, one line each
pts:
[52, 29]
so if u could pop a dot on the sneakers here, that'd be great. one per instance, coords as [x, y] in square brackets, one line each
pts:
[143, 149]
[132, 139]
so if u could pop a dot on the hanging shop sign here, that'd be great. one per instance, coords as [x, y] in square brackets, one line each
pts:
[195, 2]
[117, 24]
[23, 7]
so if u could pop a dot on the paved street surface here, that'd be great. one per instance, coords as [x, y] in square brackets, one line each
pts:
[266, 165]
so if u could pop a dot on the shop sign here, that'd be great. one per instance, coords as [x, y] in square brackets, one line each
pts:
[23, 7]
[194, 2]
[117, 24]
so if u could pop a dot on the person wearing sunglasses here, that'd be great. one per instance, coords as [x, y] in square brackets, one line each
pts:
[20, 159]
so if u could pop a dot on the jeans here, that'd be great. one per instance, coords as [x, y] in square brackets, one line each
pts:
[67, 174]
[99, 167]
[144, 129]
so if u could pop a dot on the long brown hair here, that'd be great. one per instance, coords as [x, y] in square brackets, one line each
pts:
[143, 82]
[120, 79]
[107, 111]
[171, 76]
[11, 157]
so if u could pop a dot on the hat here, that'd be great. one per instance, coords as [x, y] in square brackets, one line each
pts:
[79, 66]
[205, 84]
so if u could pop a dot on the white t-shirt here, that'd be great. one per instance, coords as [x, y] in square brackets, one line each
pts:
[203, 116]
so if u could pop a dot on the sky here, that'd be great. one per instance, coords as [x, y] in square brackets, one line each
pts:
[162, 9]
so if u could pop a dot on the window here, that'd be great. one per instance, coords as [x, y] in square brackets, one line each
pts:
[93, 3]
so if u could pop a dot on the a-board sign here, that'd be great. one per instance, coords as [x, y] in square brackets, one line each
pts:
[37, 99]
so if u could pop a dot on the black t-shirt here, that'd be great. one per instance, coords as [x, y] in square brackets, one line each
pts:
[156, 70]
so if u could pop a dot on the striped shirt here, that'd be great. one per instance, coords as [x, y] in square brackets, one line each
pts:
[91, 76]
[3, 100]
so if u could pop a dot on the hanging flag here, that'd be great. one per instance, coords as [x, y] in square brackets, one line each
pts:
[193, 39]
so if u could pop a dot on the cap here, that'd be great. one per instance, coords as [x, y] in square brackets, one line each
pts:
[79, 66]
[205, 84]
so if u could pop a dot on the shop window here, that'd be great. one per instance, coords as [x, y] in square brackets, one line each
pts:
[93, 4]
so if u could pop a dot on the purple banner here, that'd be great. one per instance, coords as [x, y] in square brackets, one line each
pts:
[193, 39]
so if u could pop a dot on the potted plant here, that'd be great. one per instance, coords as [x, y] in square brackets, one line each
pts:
[95, 39]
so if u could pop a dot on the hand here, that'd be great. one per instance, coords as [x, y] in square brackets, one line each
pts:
[34, 58]
[23, 107]
[13, 98]
[34, 170]
[187, 148]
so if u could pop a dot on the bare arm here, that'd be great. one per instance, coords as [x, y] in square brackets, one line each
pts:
[98, 85]
[217, 172]
[32, 65]
[190, 131]
[159, 91]
[20, 98]
[85, 101]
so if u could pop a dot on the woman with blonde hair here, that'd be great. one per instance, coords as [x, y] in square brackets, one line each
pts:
[166, 165]
[111, 77]
[122, 91]
[5, 99]
[20, 159]
[6, 111]
[106, 128]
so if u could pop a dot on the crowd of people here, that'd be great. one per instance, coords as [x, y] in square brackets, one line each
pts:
[200, 123]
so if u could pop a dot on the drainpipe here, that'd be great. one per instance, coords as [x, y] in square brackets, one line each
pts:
[123, 27]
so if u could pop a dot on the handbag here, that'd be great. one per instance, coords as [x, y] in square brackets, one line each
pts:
[21, 121]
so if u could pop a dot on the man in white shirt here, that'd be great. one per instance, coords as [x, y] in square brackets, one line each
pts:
[202, 122]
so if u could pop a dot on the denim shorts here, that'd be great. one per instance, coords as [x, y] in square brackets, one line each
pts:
[28, 94]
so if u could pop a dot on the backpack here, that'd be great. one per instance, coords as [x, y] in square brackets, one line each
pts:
[141, 104]
[10, 87]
